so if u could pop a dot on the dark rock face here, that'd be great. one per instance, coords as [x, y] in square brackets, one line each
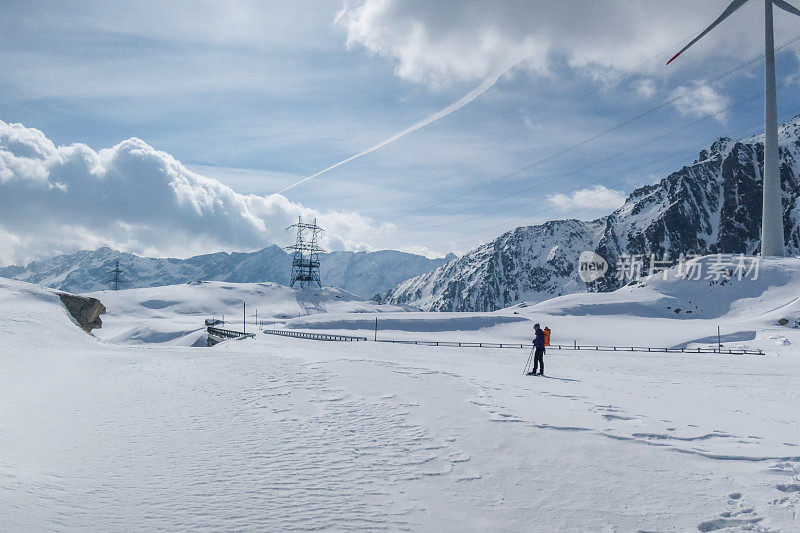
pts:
[711, 206]
[86, 311]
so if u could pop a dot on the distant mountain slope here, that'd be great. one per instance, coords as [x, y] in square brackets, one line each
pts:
[362, 273]
[711, 206]
[529, 263]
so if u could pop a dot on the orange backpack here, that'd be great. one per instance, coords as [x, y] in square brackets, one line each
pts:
[546, 336]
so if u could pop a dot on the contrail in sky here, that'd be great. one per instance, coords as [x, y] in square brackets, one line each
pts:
[469, 97]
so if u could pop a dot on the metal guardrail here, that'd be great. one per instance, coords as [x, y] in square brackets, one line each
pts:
[313, 336]
[573, 347]
[728, 351]
[458, 344]
[229, 333]
[578, 347]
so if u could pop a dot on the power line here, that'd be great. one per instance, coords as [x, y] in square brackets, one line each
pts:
[617, 83]
[592, 138]
[506, 223]
[575, 171]
[469, 97]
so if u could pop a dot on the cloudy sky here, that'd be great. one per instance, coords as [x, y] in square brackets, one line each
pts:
[168, 128]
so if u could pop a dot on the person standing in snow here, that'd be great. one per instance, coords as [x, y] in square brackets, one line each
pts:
[538, 357]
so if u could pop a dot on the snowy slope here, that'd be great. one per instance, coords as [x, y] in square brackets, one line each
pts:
[31, 311]
[363, 273]
[673, 311]
[774, 294]
[710, 206]
[176, 313]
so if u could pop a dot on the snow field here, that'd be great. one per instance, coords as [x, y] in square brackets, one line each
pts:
[349, 436]
[278, 433]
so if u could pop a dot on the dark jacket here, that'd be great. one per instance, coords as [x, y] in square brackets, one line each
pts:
[539, 340]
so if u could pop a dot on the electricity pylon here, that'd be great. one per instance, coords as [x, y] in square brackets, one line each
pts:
[305, 261]
[116, 280]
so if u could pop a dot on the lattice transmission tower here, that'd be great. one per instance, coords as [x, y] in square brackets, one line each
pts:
[305, 262]
[116, 280]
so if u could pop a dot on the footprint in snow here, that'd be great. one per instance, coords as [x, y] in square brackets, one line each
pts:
[505, 417]
[617, 417]
[728, 519]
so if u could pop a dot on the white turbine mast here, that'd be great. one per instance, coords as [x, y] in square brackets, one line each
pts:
[772, 243]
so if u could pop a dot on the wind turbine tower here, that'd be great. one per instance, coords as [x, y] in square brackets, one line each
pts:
[772, 243]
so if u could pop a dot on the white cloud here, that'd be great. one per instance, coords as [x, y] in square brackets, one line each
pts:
[423, 41]
[703, 102]
[135, 198]
[599, 197]
[424, 250]
[443, 42]
[645, 88]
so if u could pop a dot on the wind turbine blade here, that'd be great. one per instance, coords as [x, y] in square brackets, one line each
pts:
[736, 4]
[786, 6]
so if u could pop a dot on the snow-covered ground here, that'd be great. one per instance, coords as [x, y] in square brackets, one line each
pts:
[274, 433]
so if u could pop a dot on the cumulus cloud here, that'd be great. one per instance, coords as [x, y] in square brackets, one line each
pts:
[135, 198]
[442, 42]
[703, 102]
[598, 196]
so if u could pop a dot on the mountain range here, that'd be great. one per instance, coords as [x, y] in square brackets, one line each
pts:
[710, 206]
[361, 273]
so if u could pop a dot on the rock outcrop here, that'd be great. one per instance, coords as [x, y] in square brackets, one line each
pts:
[86, 311]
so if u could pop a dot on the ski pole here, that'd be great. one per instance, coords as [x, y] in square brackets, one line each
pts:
[530, 357]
